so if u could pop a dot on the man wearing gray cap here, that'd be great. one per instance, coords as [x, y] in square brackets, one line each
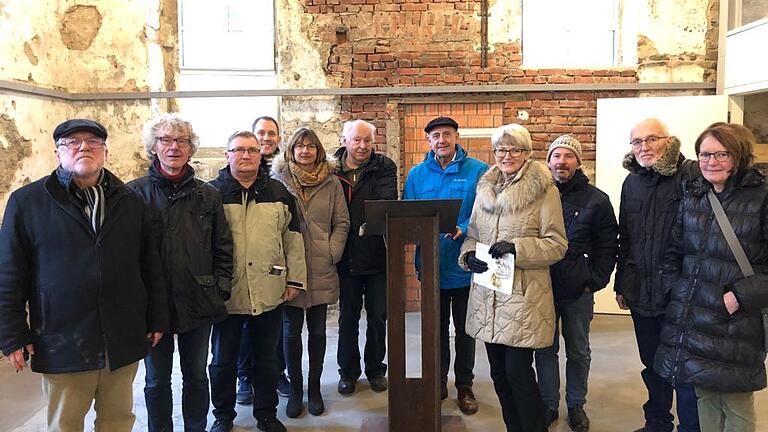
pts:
[76, 249]
[449, 173]
[591, 229]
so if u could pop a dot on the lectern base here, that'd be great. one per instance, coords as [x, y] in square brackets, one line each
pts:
[381, 424]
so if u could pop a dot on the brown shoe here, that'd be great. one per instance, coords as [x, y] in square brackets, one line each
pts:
[467, 401]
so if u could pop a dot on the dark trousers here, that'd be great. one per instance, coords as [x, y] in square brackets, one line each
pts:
[454, 302]
[193, 356]
[244, 356]
[515, 384]
[358, 291]
[657, 409]
[264, 332]
[293, 323]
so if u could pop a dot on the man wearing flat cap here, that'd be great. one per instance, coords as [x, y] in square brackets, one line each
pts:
[447, 172]
[592, 245]
[77, 251]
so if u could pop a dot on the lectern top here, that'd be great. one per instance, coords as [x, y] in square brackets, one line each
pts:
[376, 212]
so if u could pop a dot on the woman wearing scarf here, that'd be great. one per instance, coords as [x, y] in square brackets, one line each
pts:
[517, 211]
[308, 174]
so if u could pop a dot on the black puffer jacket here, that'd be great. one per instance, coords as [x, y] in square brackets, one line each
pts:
[88, 294]
[591, 228]
[649, 201]
[378, 181]
[701, 343]
[195, 246]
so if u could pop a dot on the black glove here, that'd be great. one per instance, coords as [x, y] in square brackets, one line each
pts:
[500, 248]
[475, 265]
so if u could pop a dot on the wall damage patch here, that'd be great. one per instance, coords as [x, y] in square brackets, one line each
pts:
[79, 26]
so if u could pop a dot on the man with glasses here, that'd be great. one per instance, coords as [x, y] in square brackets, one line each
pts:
[365, 175]
[196, 254]
[591, 229]
[649, 200]
[270, 269]
[77, 249]
[448, 172]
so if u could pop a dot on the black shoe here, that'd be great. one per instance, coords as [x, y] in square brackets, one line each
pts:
[550, 415]
[283, 385]
[346, 386]
[222, 426]
[443, 391]
[315, 404]
[295, 404]
[270, 424]
[244, 392]
[378, 383]
[577, 419]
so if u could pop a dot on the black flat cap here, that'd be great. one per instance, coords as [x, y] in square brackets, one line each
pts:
[78, 125]
[441, 121]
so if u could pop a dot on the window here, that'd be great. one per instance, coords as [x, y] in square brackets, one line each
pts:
[570, 34]
[227, 34]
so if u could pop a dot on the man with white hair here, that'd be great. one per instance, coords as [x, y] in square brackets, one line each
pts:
[365, 175]
[649, 200]
[591, 229]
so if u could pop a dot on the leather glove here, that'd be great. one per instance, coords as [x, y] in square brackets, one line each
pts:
[475, 265]
[500, 248]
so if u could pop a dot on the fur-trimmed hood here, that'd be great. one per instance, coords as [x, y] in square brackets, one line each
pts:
[667, 165]
[529, 184]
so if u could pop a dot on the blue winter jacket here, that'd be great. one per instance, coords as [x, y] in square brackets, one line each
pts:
[428, 180]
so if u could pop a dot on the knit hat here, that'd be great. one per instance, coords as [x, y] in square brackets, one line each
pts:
[566, 141]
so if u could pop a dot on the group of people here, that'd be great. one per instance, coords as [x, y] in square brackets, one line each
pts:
[96, 275]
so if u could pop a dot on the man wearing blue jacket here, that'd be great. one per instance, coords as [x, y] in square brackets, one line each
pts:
[449, 173]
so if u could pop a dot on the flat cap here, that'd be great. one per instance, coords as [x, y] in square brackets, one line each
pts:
[77, 125]
[441, 121]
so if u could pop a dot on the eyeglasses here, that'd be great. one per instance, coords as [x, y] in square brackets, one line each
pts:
[75, 144]
[651, 141]
[310, 147]
[241, 151]
[502, 152]
[167, 141]
[721, 156]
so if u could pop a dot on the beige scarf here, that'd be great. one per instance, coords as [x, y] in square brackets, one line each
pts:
[306, 180]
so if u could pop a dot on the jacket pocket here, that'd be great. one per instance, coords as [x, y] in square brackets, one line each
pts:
[209, 302]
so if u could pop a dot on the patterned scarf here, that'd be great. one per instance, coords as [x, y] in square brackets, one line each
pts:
[95, 203]
[305, 180]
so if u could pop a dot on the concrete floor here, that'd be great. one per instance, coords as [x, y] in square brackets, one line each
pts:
[616, 392]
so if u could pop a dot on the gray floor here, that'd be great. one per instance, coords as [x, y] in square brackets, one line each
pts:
[615, 398]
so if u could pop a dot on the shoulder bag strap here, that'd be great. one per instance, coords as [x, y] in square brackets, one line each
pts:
[730, 235]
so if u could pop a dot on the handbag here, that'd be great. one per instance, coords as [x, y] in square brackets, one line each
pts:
[738, 252]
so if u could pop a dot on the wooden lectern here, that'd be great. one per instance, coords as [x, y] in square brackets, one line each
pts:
[414, 403]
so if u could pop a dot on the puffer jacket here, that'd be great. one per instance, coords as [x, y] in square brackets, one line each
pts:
[265, 224]
[527, 213]
[649, 201]
[324, 227]
[428, 180]
[591, 228]
[701, 343]
[195, 245]
[364, 254]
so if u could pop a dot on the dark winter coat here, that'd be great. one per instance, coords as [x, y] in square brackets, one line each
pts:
[88, 294]
[195, 246]
[701, 343]
[365, 255]
[591, 228]
[649, 201]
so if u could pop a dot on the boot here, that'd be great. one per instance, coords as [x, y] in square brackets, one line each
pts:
[315, 398]
[295, 399]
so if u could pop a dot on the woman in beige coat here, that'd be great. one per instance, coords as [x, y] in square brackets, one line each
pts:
[517, 211]
[308, 174]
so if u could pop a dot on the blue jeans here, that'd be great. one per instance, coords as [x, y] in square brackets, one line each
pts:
[293, 323]
[358, 291]
[575, 317]
[263, 331]
[454, 302]
[193, 356]
[515, 385]
[657, 409]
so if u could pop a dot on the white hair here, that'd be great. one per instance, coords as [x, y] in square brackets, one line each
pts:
[512, 134]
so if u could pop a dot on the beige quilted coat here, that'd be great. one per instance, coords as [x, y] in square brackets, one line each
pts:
[527, 213]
